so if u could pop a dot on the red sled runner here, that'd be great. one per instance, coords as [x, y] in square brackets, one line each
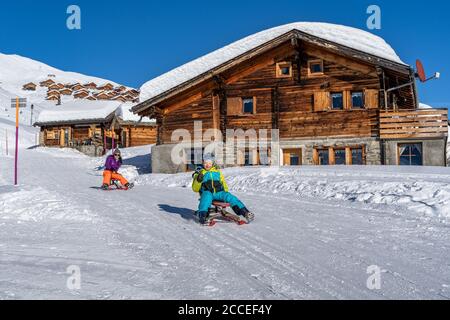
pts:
[218, 213]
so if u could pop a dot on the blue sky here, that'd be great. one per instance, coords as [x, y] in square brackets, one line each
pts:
[133, 41]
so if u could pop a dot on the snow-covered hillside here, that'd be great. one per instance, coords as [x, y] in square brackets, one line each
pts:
[15, 71]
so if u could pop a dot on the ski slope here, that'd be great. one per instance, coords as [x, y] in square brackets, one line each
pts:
[309, 241]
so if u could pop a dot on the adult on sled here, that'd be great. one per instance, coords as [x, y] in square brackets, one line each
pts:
[112, 166]
[210, 183]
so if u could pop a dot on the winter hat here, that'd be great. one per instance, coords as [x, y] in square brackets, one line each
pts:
[208, 158]
[117, 151]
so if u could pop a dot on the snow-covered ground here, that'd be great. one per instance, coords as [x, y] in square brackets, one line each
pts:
[316, 233]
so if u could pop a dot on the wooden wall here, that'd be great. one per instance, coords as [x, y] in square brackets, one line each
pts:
[289, 104]
[139, 136]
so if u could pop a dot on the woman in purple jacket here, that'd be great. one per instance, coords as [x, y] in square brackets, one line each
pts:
[112, 166]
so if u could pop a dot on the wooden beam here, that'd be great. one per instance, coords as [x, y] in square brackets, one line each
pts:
[320, 53]
[183, 103]
[250, 70]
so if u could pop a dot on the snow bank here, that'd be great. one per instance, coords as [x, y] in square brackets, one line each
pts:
[38, 204]
[343, 35]
[417, 191]
[79, 110]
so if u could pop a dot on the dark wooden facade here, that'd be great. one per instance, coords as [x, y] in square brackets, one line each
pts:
[106, 134]
[289, 97]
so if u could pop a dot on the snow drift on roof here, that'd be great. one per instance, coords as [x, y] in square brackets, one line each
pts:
[343, 35]
[79, 110]
[124, 112]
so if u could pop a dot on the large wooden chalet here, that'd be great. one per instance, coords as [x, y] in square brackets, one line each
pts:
[337, 95]
[93, 127]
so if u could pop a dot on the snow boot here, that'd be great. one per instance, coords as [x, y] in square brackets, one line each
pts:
[129, 186]
[244, 213]
[202, 217]
[105, 187]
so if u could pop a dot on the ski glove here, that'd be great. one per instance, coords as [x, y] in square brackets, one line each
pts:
[200, 177]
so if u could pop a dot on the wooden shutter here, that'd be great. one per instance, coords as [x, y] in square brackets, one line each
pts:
[348, 156]
[321, 101]
[316, 157]
[286, 158]
[348, 103]
[234, 106]
[371, 99]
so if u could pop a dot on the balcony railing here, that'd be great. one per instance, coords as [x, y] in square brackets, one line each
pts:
[426, 123]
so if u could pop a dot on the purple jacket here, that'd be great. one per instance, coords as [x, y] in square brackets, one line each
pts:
[112, 164]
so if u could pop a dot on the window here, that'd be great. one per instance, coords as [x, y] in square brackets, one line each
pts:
[292, 157]
[284, 70]
[315, 67]
[339, 157]
[357, 156]
[357, 100]
[248, 105]
[337, 101]
[324, 159]
[410, 154]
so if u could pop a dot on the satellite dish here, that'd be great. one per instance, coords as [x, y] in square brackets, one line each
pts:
[421, 71]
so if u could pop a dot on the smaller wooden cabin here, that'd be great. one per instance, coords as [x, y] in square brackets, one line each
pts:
[102, 96]
[54, 86]
[93, 127]
[90, 86]
[66, 92]
[106, 86]
[46, 83]
[53, 97]
[81, 94]
[77, 87]
[30, 86]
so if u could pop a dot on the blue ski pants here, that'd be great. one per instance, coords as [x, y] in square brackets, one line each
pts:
[208, 197]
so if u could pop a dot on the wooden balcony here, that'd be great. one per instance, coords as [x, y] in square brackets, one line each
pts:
[426, 123]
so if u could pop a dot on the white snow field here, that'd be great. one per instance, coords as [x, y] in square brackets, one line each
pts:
[317, 230]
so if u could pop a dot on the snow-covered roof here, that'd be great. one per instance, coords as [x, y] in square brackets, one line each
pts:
[347, 36]
[424, 106]
[79, 110]
[86, 110]
[124, 112]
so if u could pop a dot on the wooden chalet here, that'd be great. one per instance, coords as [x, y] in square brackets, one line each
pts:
[94, 127]
[47, 83]
[120, 98]
[90, 86]
[102, 96]
[120, 89]
[54, 86]
[91, 97]
[66, 92]
[53, 92]
[53, 97]
[106, 87]
[335, 95]
[81, 94]
[77, 87]
[30, 86]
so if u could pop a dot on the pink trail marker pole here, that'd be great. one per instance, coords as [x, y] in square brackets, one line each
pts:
[16, 155]
[6, 135]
